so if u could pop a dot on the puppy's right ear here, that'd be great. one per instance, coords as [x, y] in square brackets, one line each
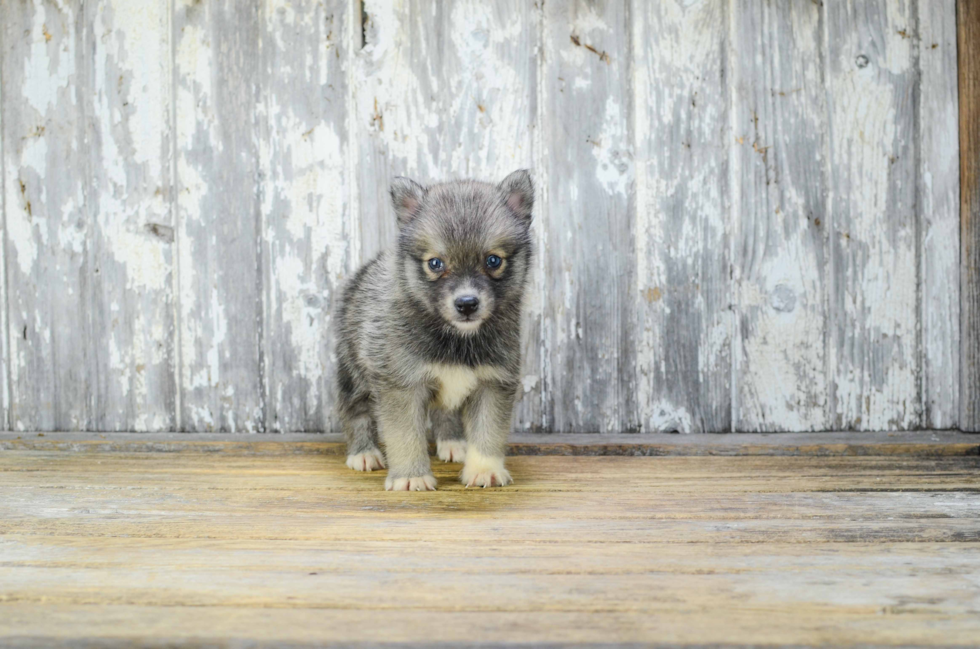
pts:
[406, 196]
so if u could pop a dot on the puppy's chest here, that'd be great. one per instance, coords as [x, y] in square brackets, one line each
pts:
[454, 383]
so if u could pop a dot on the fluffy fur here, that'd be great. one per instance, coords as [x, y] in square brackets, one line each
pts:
[413, 345]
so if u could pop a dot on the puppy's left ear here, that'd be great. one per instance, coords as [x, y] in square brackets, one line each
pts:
[406, 196]
[520, 193]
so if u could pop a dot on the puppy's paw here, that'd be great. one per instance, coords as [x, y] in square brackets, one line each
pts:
[418, 483]
[484, 471]
[370, 460]
[451, 450]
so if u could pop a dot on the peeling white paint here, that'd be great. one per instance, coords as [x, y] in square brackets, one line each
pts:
[727, 285]
[49, 65]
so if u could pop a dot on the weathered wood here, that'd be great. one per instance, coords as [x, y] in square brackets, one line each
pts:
[682, 231]
[937, 204]
[585, 225]
[307, 222]
[692, 551]
[185, 187]
[88, 224]
[441, 90]
[874, 350]
[968, 31]
[217, 69]
[779, 194]
[935, 444]
[4, 305]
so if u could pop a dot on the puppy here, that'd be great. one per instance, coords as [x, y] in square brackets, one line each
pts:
[434, 325]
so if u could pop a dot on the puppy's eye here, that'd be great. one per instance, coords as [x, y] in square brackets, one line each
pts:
[436, 265]
[493, 262]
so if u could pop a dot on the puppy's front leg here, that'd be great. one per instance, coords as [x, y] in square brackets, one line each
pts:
[486, 421]
[401, 415]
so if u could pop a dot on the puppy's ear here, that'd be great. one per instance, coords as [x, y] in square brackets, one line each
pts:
[406, 196]
[520, 193]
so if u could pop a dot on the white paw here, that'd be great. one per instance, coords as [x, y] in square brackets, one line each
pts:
[367, 461]
[484, 471]
[451, 450]
[418, 483]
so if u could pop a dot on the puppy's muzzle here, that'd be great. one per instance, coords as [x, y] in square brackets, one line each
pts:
[467, 304]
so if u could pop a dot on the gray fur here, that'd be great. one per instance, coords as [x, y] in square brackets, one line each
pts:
[404, 346]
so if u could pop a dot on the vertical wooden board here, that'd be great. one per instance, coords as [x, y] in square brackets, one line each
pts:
[88, 216]
[682, 228]
[442, 91]
[218, 216]
[533, 400]
[938, 207]
[586, 225]
[873, 227]
[43, 193]
[307, 224]
[130, 195]
[779, 215]
[968, 55]
[44, 185]
[4, 320]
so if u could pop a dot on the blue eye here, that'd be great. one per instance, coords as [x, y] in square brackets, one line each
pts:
[493, 262]
[435, 265]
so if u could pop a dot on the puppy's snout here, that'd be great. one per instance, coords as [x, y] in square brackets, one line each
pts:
[467, 304]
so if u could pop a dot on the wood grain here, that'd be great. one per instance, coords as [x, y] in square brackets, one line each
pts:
[682, 232]
[307, 220]
[585, 222]
[219, 223]
[167, 548]
[823, 444]
[746, 213]
[88, 228]
[968, 38]
[937, 205]
[4, 304]
[780, 194]
[873, 226]
[440, 91]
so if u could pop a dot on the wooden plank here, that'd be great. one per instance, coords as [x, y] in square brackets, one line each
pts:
[88, 219]
[682, 230]
[59, 625]
[442, 91]
[167, 548]
[585, 225]
[573, 558]
[938, 205]
[968, 54]
[318, 486]
[307, 223]
[218, 220]
[4, 305]
[780, 195]
[824, 444]
[874, 351]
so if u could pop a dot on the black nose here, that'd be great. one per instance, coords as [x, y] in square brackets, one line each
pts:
[467, 304]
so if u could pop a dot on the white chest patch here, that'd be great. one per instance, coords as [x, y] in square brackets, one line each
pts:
[456, 382]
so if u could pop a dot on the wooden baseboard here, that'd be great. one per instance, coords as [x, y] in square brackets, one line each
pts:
[919, 443]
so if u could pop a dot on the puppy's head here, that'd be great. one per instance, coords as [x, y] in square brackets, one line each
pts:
[465, 246]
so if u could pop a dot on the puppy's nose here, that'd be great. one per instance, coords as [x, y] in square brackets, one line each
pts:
[467, 304]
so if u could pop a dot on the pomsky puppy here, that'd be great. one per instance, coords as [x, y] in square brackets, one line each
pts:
[434, 325]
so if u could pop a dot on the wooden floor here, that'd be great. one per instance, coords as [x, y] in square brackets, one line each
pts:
[228, 546]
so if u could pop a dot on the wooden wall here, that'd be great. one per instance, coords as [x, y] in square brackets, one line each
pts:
[747, 214]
